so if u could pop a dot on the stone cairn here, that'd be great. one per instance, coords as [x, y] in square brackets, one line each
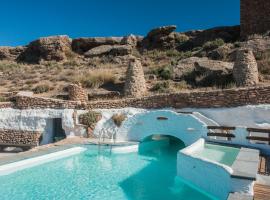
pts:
[135, 85]
[77, 93]
[245, 70]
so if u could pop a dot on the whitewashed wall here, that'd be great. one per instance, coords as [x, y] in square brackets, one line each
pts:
[39, 120]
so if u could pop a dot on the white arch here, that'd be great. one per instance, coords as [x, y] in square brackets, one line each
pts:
[185, 127]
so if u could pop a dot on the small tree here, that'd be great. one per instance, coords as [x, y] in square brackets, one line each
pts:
[90, 118]
[118, 119]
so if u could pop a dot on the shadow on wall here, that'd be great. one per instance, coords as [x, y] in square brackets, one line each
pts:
[186, 127]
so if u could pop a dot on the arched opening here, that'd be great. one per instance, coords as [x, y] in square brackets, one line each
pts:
[158, 145]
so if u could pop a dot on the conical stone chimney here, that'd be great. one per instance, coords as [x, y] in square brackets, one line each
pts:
[135, 85]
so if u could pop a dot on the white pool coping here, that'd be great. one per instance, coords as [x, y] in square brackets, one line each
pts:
[31, 162]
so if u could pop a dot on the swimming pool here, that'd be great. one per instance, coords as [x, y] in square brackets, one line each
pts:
[218, 153]
[100, 175]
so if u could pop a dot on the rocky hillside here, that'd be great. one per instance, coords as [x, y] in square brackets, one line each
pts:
[171, 61]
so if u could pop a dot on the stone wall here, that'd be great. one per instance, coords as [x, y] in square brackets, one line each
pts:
[19, 137]
[255, 17]
[6, 105]
[25, 102]
[202, 99]
[199, 99]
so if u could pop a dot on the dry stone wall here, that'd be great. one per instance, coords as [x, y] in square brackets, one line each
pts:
[27, 102]
[17, 137]
[255, 17]
[201, 99]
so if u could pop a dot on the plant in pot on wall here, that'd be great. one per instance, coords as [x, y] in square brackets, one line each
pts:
[118, 119]
[90, 120]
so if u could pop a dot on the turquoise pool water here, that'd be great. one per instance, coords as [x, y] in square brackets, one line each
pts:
[222, 154]
[94, 176]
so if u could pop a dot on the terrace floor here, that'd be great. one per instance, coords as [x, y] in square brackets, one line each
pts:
[261, 192]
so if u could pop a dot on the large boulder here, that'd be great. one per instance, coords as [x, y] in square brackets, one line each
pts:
[160, 38]
[56, 48]
[112, 50]
[203, 71]
[82, 45]
[245, 70]
[135, 85]
[10, 53]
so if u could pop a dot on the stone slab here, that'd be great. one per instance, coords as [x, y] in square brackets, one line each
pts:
[246, 164]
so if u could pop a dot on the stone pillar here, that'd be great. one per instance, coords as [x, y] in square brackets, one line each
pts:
[245, 70]
[77, 93]
[135, 85]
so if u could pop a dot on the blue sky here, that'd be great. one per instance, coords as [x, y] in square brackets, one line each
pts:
[25, 20]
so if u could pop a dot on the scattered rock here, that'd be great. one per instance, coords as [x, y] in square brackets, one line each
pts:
[55, 48]
[221, 53]
[203, 71]
[245, 70]
[82, 45]
[258, 45]
[113, 50]
[135, 85]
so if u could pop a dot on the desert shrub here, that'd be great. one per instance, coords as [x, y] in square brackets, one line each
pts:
[90, 118]
[164, 73]
[161, 87]
[210, 45]
[118, 119]
[8, 65]
[3, 99]
[96, 79]
[41, 89]
[181, 85]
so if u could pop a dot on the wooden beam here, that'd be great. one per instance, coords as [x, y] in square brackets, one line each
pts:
[228, 135]
[264, 139]
[221, 127]
[258, 130]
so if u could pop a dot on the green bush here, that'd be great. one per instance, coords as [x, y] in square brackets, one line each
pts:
[41, 89]
[211, 45]
[161, 87]
[90, 118]
[118, 119]
[164, 73]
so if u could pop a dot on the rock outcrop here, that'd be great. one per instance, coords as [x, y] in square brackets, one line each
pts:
[10, 53]
[160, 38]
[56, 48]
[245, 70]
[82, 45]
[131, 40]
[112, 50]
[77, 93]
[135, 85]
[199, 37]
[203, 71]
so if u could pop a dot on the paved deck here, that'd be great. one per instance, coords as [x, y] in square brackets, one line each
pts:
[261, 192]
